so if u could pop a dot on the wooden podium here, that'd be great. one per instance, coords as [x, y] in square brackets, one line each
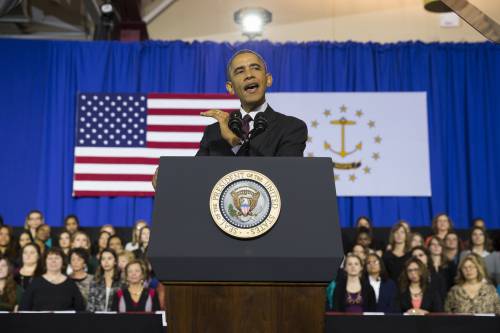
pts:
[272, 283]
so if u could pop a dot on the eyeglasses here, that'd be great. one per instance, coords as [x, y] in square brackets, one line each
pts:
[411, 270]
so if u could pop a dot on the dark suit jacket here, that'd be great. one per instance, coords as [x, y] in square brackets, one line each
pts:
[431, 301]
[388, 297]
[284, 136]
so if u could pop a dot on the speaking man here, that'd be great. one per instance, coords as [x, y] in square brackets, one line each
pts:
[249, 79]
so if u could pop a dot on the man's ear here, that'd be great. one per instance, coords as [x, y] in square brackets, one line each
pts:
[229, 88]
[269, 80]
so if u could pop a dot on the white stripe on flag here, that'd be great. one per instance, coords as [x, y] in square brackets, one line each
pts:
[132, 152]
[174, 137]
[112, 186]
[119, 169]
[180, 120]
[203, 104]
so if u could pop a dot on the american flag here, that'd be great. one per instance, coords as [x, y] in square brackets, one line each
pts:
[120, 137]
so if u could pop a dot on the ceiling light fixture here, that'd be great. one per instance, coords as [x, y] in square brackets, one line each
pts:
[252, 20]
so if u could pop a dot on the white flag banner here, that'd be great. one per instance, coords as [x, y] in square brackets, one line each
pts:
[378, 142]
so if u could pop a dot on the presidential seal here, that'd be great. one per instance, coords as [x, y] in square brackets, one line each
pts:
[245, 204]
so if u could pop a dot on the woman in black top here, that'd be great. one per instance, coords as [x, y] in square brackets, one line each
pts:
[144, 235]
[31, 265]
[353, 293]
[395, 258]
[53, 291]
[436, 280]
[417, 296]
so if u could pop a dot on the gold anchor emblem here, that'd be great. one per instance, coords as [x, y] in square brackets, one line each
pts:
[343, 122]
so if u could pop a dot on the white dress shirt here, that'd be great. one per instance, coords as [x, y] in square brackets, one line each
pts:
[375, 283]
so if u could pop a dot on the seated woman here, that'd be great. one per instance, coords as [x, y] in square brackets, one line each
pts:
[479, 243]
[453, 245]
[436, 280]
[53, 291]
[441, 225]
[64, 242]
[71, 224]
[10, 291]
[134, 297]
[123, 259]
[399, 244]
[353, 293]
[115, 243]
[78, 260]
[81, 239]
[134, 244]
[416, 239]
[106, 282]
[7, 243]
[385, 289]
[142, 251]
[417, 296]
[102, 243]
[472, 293]
[440, 263]
[30, 265]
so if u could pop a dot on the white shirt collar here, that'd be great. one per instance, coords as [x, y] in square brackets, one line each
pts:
[253, 113]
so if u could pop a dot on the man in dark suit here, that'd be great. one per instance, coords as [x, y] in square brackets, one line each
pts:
[249, 79]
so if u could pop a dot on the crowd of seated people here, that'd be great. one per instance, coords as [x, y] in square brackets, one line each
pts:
[414, 275]
[70, 272]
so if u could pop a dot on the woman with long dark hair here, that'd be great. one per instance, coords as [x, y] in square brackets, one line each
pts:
[30, 265]
[10, 292]
[385, 289]
[106, 282]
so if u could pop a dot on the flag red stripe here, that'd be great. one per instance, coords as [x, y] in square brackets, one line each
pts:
[113, 194]
[175, 128]
[113, 177]
[179, 112]
[116, 160]
[173, 145]
[190, 96]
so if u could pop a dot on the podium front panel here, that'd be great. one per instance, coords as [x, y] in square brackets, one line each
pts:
[304, 244]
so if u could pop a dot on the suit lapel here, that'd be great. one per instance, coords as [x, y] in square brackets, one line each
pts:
[270, 116]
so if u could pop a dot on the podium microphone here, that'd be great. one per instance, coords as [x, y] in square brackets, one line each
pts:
[259, 125]
[235, 123]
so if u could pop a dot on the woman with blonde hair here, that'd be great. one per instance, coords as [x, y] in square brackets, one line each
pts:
[399, 242]
[472, 293]
[136, 231]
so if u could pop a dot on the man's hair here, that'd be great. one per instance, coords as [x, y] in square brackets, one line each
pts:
[228, 67]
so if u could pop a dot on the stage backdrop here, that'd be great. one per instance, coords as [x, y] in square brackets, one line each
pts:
[40, 81]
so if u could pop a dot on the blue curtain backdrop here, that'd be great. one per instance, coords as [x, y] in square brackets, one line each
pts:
[39, 82]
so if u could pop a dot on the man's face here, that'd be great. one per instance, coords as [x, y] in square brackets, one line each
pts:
[248, 80]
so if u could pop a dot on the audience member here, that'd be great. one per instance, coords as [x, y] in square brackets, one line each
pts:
[365, 238]
[134, 244]
[144, 235]
[436, 280]
[106, 282]
[33, 220]
[81, 239]
[416, 239]
[53, 290]
[115, 243]
[10, 291]
[71, 224]
[440, 263]
[78, 260]
[441, 225]
[478, 243]
[102, 242]
[134, 297]
[23, 239]
[479, 222]
[64, 241]
[42, 237]
[395, 258]
[452, 247]
[123, 259]
[385, 289]
[7, 243]
[353, 293]
[30, 265]
[472, 293]
[417, 296]
[109, 229]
